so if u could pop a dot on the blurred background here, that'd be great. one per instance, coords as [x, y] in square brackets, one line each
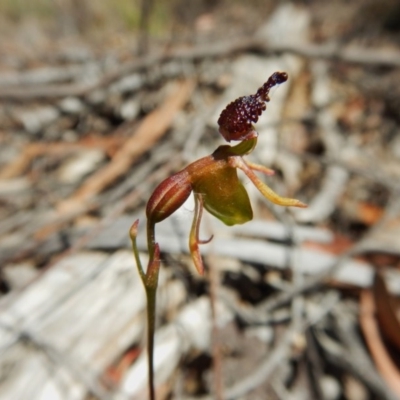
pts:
[101, 101]
[117, 24]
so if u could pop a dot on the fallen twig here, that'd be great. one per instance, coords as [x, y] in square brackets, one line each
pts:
[371, 57]
[149, 131]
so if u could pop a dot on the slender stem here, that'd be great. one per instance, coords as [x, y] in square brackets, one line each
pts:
[133, 234]
[151, 317]
[150, 282]
[151, 291]
[215, 281]
[151, 239]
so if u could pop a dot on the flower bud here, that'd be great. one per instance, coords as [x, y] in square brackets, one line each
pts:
[168, 196]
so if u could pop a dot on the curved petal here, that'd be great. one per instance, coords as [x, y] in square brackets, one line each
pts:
[266, 191]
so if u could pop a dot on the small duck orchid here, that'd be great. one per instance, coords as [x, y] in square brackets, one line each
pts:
[216, 187]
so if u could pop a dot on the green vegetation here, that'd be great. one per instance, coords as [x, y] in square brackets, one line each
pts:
[87, 16]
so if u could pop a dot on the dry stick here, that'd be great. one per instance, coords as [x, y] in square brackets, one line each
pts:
[128, 201]
[150, 130]
[375, 343]
[265, 370]
[46, 75]
[372, 57]
[353, 356]
[281, 350]
[214, 276]
[54, 356]
[33, 150]
[41, 231]
[314, 281]
[135, 149]
[311, 283]
[375, 174]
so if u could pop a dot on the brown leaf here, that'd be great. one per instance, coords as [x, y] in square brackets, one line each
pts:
[369, 213]
[379, 353]
[338, 245]
[386, 311]
[115, 372]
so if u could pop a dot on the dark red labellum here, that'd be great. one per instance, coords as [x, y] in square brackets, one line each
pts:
[235, 121]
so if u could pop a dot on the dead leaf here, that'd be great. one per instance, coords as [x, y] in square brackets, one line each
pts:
[116, 372]
[338, 245]
[386, 308]
[379, 353]
[369, 213]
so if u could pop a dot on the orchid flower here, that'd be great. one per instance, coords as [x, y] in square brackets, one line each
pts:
[216, 187]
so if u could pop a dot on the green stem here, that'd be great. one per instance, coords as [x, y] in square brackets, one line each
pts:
[151, 312]
[151, 240]
[150, 283]
[133, 234]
